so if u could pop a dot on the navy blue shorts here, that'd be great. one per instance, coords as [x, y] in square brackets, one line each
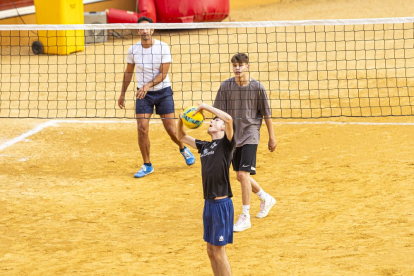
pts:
[244, 159]
[161, 99]
[218, 219]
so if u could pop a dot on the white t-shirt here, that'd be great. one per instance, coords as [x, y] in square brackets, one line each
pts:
[148, 61]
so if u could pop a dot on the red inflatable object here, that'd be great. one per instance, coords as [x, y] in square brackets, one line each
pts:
[120, 16]
[169, 11]
[146, 7]
[173, 11]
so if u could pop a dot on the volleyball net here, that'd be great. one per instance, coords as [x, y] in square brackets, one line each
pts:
[310, 69]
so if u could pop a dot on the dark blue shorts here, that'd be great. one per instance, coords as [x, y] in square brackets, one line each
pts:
[218, 219]
[161, 99]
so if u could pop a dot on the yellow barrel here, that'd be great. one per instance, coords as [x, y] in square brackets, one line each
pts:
[60, 12]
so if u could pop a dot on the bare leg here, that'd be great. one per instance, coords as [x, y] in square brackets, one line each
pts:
[210, 253]
[143, 139]
[169, 125]
[218, 259]
[255, 186]
[246, 187]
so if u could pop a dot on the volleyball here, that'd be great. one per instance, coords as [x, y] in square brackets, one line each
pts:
[190, 120]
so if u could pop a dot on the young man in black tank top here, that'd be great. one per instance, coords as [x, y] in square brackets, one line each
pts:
[215, 156]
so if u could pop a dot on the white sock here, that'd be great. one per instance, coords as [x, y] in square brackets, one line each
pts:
[246, 210]
[262, 194]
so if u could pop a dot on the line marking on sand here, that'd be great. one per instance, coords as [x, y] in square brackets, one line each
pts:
[27, 134]
[47, 124]
[42, 126]
[344, 123]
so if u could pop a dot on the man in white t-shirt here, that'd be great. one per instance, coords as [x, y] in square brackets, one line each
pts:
[151, 59]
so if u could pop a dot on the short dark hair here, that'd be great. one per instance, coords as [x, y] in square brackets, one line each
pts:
[240, 58]
[144, 18]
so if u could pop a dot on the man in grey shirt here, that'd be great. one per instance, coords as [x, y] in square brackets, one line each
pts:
[245, 99]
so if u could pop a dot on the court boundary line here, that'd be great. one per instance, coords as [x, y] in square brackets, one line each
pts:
[345, 123]
[47, 124]
[29, 133]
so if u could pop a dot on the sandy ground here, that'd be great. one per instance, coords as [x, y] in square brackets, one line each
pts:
[265, 10]
[70, 206]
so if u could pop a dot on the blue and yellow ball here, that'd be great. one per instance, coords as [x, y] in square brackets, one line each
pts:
[190, 120]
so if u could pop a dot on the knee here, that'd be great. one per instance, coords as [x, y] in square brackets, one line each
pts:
[142, 131]
[242, 176]
[214, 255]
[171, 131]
[210, 252]
[172, 134]
[214, 252]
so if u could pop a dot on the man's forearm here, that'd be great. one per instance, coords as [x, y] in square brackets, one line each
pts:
[126, 82]
[219, 113]
[158, 79]
[269, 125]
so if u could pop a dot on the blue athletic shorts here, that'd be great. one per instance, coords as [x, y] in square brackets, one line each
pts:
[161, 99]
[218, 219]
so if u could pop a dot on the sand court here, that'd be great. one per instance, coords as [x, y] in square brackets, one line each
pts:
[70, 205]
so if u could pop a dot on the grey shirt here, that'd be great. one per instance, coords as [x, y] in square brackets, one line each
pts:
[247, 105]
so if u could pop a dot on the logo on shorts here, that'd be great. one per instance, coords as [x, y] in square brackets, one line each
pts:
[221, 238]
[245, 166]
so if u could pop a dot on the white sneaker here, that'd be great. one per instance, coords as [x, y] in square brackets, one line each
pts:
[265, 207]
[243, 223]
